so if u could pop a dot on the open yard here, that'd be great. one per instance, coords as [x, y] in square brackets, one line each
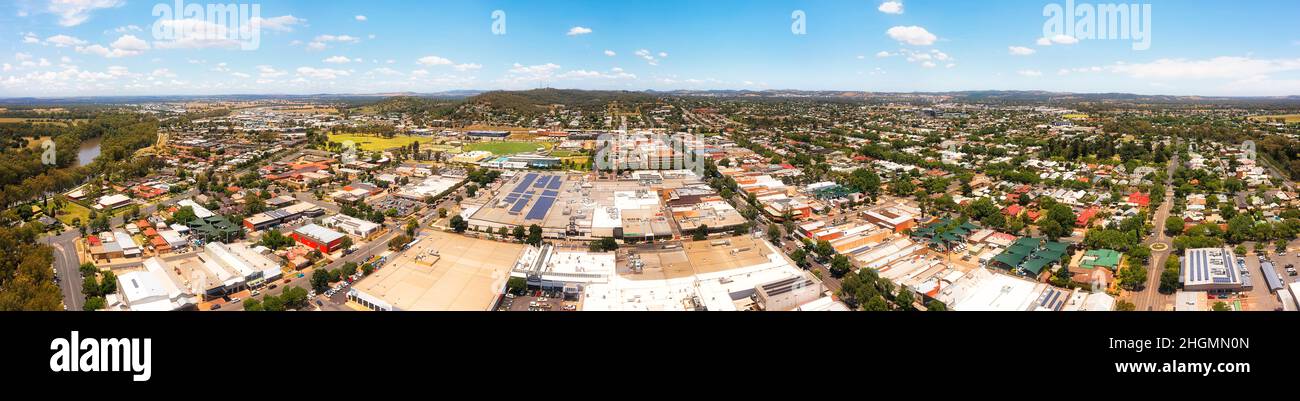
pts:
[375, 143]
[506, 148]
[74, 211]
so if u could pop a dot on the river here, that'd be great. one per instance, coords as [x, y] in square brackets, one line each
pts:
[88, 152]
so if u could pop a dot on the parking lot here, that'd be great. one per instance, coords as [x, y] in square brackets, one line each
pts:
[545, 302]
[1260, 298]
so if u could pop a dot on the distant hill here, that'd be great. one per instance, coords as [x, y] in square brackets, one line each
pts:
[531, 102]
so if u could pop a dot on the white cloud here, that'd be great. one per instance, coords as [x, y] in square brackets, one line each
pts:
[649, 57]
[193, 33]
[321, 73]
[891, 7]
[321, 42]
[663, 54]
[31, 38]
[266, 71]
[128, 28]
[883, 54]
[928, 64]
[433, 60]
[163, 73]
[74, 12]
[610, 53]
[1020, 50]
[467, 67]
[360, 18]
[1058, 39]
[337, 60]
[240, 75]
[283, 23]
[912, 35]
[64, 41]
[130, 43]
[1030, 73]
[1231, 68]
[578, 30]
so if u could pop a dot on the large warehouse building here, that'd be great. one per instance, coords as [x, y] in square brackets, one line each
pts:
[1211, 269]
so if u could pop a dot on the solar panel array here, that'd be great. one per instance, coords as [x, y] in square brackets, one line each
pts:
[527, 189]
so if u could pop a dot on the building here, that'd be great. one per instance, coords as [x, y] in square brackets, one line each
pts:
[441, 272]
[113, 201]
[1211, 269]
[319, 238]
[787, 294]
[152, 289]
[488, 134]
[892, 218]
[275, 217]
[352, 225]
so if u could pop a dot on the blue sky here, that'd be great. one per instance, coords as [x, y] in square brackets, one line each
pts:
[111, 47]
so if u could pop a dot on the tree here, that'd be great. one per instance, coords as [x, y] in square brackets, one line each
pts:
[1125, 306]
[701, 233]
[1133, 276]
[320, 280]
[534, 235]
[1221, 307]
[840, 265]
[935, 306]
[800, 258]
[1280, 245]
[773, 233]
[904, 299]
[349, 269]
[93, 304]
[1052, 230]
[518, 233]
[459, 225]
[824, 250]
[876, 304]
[516, 285]
[253, 305]
[398, 242]
[1174, 226]
[184, 215]
[412, 226]
[109, 284]
[603, 245]
[346, 243]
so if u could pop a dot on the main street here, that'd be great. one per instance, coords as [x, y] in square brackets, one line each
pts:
[1150, 297]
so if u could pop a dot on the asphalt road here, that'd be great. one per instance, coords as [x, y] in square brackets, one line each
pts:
[68, 266]
[1150, 298]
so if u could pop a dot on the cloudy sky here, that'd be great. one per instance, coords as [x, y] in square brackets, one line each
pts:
[132, 47]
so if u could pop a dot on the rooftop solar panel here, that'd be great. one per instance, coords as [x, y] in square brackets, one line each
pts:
[542, 182]
[519, 206]
[555, 183]
[528, 180]
[540, 208]
[550, 193]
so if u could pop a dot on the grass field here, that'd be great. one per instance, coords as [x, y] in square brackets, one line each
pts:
[374, 143]
[72, 211]
[1288, 118]
[506, 148]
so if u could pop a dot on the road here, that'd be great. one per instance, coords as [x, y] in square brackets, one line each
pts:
[68, 266]
[1150, 297]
